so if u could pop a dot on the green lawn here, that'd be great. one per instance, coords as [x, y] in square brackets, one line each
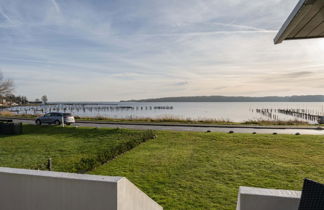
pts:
[183, 170]
[179, 170]
[71, 149]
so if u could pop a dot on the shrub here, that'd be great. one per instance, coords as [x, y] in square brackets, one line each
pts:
[88, 164]
[10, 128]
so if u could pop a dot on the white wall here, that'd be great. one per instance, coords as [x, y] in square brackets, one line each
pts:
[42, 190]
[250, 198]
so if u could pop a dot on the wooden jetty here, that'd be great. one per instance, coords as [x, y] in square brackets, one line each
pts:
[85, 108]
[304, 114]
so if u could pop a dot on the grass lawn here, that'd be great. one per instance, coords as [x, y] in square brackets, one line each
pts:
[179, 170]
[71, 149]
[184, 170]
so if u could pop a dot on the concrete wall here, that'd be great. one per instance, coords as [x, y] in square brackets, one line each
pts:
[42, 190]
[250, 198]
[130, 197]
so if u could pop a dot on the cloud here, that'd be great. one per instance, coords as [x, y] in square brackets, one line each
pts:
[298, 74]
[290, 77]
[6, 17]
[112, 50]
[56, 6]
[183, 83]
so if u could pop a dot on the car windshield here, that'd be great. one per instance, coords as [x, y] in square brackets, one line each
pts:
[67, 115]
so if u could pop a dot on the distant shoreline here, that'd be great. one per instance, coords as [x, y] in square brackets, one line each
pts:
[302, 98]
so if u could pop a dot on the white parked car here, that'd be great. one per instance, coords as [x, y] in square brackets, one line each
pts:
[55, 118]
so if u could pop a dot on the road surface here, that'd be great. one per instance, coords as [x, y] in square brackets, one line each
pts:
[198, 128]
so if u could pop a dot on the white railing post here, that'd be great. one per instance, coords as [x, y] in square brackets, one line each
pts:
[63, 120]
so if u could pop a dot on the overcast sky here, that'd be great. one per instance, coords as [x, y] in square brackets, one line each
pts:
[109, 50]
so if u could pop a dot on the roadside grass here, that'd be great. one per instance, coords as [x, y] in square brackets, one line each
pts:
[71, 149]
[187, 170]
[174, 120]
[276, 122]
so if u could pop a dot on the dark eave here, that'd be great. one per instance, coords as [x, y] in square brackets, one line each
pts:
[305, 22]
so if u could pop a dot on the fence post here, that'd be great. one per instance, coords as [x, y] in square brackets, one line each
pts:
[49, 164]
[63, 120]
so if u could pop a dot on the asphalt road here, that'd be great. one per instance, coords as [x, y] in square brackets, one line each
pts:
[201, 128]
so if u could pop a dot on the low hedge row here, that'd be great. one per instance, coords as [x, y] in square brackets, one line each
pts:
[89, 163]
[10, 128]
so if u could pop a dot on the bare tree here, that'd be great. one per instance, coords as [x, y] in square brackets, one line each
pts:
[44, 99]
[6, 86]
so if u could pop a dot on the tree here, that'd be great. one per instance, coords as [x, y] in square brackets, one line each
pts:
[19, 99]
[23, 100]
[44, 99]
[6, 86]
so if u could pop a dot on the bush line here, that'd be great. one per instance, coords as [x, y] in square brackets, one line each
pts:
[90, 163]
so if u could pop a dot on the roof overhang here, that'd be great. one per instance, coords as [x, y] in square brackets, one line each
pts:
[306, 21]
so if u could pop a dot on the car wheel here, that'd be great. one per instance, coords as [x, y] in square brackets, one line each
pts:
[67, 123]
[57, 122]
[38, 122]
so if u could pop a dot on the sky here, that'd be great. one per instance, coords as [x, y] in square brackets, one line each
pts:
[111, 50]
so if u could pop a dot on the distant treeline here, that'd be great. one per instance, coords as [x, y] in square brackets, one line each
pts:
[304, 98]
[12, 99]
